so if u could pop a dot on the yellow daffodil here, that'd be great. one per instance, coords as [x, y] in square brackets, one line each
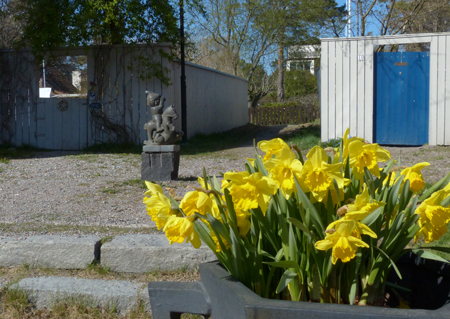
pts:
[158, 205]
[362, 206]
[180, 229]
[243, 221]
[216, 242]
[249, 191]
[282, 169]
[359, 229]
[196, 201]
[317, 175]
[344, 241]
[433, 217]
[346, 141]
[414, 175]
[366, 155]
[272, 147]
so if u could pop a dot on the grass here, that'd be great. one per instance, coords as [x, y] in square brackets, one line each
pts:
[305, 138]
[203, 144]
[9, 151]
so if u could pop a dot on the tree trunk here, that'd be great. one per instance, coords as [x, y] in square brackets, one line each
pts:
[280, 81]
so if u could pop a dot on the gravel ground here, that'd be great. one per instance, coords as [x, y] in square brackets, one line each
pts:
[76, 193]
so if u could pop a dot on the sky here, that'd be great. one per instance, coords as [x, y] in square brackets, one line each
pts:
[370, 25]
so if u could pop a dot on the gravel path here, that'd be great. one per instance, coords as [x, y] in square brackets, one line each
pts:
[101, 194]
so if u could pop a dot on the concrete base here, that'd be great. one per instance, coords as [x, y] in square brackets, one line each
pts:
[160, 165]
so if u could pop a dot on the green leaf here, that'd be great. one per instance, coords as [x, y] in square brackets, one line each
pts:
[338, 193]
[446, 202]
[299, 225]
[438, 248]
[369, 182]
[260, 165]
[218, 228]
[391, 261]
[249, 167]
[373, 216]
[283, 264]
[308, 205]
[393, 196]
[404, 196]
[174, 203]
[429, 255]
[216, 183]
[389, 284]
[205, 178]
[439, 185]
[286, 278]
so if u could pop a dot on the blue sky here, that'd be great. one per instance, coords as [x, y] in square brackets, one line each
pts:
[370, 27]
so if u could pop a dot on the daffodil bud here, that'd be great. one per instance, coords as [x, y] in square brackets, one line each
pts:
[342, 211]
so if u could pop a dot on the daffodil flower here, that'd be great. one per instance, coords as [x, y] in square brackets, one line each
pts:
[344, 241]
[317, 175]
[272, 147]
[249, 191]
[433, 217]
[158, 205]
[362, 206]
[366, 155]
[199, 202]
[180, 229]
[346, 141]
[282, 169]
[414, 175]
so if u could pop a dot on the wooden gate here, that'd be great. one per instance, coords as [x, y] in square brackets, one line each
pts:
[62, 124]
[282, 115]
[401, 98]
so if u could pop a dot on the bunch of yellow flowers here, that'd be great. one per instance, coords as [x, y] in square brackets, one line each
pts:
[326, 228]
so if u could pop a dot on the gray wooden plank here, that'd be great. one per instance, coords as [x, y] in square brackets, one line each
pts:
[447, 91]
[441, 90]
[433, 91]
[136, 89]
[49, 105]
[339, 90]
[90, 79]
[345, 86]
[332, 91]
[368, 83]
[353, 88]
[361, 96]
[324, 87]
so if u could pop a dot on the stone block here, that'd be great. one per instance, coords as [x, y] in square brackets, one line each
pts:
[160, 166]
[143, 253]
[160, 148]
[45, 292]
[49, 251]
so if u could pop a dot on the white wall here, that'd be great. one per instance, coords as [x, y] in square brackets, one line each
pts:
[346, 94]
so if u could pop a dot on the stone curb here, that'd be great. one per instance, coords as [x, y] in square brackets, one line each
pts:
[126, 253]
[118, 295]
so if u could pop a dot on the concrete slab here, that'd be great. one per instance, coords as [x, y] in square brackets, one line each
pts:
[143, 253]
[49, 251]
[44, 292]
[160, 148]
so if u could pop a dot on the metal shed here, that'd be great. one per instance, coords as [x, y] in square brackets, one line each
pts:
[354, 84]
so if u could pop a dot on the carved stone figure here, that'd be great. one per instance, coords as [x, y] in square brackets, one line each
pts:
[160, 130]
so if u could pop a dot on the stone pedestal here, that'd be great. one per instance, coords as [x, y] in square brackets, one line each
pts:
[160, 162]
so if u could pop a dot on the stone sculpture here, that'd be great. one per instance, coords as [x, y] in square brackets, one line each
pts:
[160, 130]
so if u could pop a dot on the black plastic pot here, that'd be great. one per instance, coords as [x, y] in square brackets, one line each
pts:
[221, 296]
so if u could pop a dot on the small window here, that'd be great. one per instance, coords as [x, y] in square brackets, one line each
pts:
[63, 77]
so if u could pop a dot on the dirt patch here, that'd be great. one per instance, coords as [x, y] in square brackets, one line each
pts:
[101, 194]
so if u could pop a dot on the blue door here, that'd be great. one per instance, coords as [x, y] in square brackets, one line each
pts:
[401, 98]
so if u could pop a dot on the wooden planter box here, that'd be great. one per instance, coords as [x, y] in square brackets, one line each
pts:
[221, 296]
